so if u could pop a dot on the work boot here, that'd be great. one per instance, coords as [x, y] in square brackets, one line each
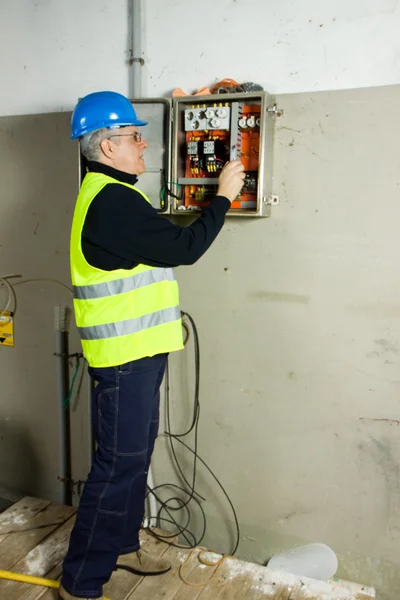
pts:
[63, 595]
[142, 563]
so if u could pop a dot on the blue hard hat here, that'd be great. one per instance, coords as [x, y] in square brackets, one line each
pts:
[102, 109]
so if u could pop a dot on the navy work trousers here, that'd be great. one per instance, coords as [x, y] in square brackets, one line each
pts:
[125, 421]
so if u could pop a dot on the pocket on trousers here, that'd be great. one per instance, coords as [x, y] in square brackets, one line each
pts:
[107, 407]
[125, 369]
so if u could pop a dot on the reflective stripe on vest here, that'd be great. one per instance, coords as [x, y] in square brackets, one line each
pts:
[125, 314]
[110, 330]
[120, 286]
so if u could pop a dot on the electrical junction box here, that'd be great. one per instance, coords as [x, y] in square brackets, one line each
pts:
[191, 138]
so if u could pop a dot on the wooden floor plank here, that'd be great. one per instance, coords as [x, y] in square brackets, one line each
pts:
[41, 551]
[214, 590]
[123, 583]
[270, 592]
[36, 592]
[263, 586]
[38, 562]
[283, 594]
[195, 573]
[237, 588]
[45, 595]
[163, 587]
[236, 581]
[20, 522]
[238, 578]
[20, 508]
[21, 513]
[364, 592]
[15, 546]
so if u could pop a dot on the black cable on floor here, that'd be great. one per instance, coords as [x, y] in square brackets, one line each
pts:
[176, 504]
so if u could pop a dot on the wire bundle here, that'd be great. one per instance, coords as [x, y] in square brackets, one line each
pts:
[176, 505]
[11, 292]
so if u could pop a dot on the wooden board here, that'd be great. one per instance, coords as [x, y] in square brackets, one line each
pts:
[123, 583]
[38, 562]
[163, 587]
[195, 573]
[29, 517]
[40, 542]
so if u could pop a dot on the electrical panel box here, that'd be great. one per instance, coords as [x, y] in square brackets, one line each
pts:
[191, 138]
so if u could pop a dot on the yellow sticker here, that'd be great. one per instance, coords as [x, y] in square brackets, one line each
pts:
[6, 329]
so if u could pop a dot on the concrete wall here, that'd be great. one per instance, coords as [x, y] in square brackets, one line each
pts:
[297, 314]
[38, 188]
[298, 320]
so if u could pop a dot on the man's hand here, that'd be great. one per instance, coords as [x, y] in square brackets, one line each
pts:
[231, 180]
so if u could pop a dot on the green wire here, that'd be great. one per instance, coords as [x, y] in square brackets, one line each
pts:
[71, 389]
[173, 183]
[164, 190]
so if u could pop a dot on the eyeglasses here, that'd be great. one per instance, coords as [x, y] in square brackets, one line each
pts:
[136, 136]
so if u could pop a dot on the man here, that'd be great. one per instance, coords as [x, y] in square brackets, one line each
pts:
[127, 311]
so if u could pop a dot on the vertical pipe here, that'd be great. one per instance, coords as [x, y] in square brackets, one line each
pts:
[136, 91]
[64, 430]
[151, 502]
[137, 60]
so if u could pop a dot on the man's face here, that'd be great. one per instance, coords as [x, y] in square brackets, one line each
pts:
[128, 148]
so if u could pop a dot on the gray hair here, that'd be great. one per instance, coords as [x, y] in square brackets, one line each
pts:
[90, 143]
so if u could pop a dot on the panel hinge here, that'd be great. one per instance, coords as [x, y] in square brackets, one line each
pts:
[274, 110]
[271, 200]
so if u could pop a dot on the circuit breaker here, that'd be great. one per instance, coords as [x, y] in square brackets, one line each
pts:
[189, 141]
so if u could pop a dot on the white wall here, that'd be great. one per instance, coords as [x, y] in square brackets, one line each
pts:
[286, 46]
[52, 51]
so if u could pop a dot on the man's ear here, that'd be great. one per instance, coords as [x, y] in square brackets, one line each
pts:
[107, 148]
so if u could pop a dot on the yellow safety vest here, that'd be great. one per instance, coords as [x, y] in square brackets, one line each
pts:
[121, 315]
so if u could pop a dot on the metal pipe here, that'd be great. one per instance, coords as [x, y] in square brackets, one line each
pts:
[151, 502]
[137, 60]
[64, 429]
